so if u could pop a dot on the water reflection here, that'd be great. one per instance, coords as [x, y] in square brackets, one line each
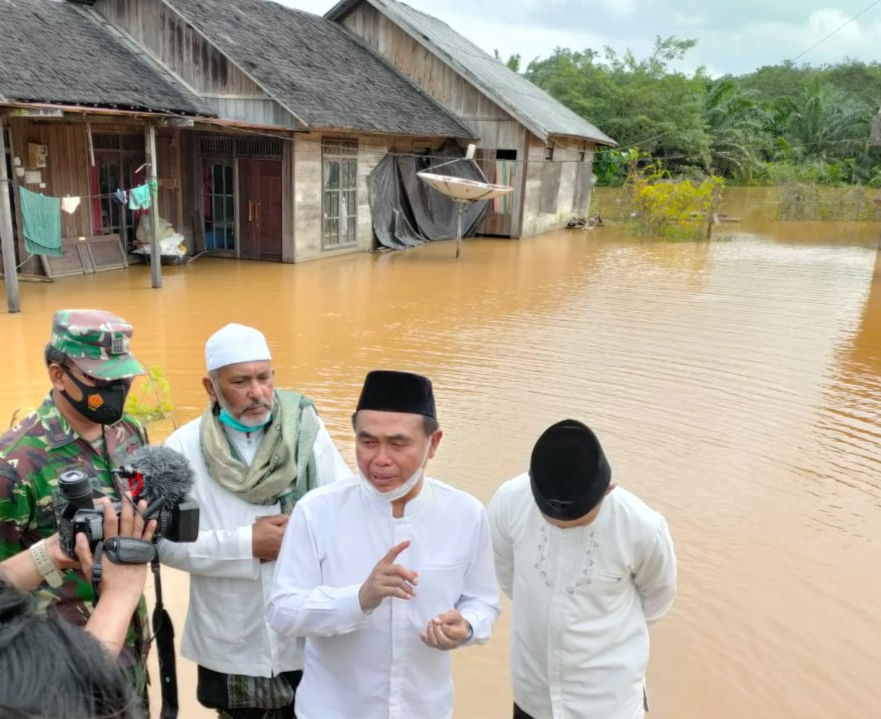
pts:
[737, 385]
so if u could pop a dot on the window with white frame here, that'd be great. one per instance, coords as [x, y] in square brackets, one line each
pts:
[339, 198]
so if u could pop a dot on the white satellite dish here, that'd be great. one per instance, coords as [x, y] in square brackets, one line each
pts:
[465, 192]
[462, 190]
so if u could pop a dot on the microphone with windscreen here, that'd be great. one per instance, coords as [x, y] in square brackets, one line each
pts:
[164, 478]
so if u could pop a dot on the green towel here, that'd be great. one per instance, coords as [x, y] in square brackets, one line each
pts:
[41, 223]
[141, 198]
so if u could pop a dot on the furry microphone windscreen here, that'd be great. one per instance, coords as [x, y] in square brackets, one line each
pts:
[168, 475]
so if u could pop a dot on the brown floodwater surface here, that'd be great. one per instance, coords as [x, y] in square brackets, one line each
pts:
[736, 385]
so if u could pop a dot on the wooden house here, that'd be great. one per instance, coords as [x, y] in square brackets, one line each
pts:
[338, 108]
[270, 119]
[74, 104]
[527, 138]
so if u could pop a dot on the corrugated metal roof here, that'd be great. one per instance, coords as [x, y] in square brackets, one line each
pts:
[529, 104]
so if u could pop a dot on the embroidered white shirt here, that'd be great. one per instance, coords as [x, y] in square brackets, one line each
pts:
[375, 666]
[583, 598]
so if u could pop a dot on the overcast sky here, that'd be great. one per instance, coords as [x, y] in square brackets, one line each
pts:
[734, 36]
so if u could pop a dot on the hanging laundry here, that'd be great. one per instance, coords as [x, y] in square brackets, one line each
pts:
[41, 223]
[69, 204]
[120, 196]
[140, 198]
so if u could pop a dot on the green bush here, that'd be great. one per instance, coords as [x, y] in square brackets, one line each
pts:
[672, 209]
[153, 401]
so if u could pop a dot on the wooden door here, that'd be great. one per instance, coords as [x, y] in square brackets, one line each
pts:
[260, 207]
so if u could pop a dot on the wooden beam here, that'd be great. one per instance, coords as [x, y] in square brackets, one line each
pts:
[178, 122]
[152, 183]
[7, 238]
[35, 112]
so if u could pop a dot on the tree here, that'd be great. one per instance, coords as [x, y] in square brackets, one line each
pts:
[737, 126]
[636, 102]
[823, 125]
[779, 122]
[513, 62]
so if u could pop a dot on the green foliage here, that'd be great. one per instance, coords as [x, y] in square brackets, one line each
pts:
[811, 201]
[780, 123]
[512, 63]
[634, 101]
[611, 167]
[153, 401]
[672, 209]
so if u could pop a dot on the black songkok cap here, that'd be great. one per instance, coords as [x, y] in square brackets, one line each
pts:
[389, 391]
[568, 471]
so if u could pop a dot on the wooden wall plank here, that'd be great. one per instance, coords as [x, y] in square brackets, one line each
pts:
[175, 43]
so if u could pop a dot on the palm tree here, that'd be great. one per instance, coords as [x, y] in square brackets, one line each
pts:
[736, 126]
[823, 126]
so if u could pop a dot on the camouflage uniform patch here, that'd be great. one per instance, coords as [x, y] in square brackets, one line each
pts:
[32, 455]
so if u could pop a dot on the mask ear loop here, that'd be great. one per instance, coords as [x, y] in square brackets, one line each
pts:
[99, 383]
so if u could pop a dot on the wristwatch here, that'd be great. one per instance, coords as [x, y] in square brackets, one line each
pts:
[470, 635]
[45, 566]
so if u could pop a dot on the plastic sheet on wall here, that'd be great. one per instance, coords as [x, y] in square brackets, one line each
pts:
[406, 212]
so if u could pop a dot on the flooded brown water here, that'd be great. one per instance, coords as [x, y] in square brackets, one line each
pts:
[736, 384]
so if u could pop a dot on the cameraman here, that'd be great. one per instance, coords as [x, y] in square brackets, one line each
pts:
[86, 682]
[80, 425]
[121, 585]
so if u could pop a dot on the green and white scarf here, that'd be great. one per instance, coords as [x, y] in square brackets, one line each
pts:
[283, 469]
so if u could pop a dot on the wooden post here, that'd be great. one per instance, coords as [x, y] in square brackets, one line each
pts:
[7, 238]
[155, 257]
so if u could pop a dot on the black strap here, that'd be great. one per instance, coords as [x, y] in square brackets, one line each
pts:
[97, 571]
[163, 631]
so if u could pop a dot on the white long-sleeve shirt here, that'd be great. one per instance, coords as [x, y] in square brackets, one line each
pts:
[583, 598]
[226, 628]
[375, 666]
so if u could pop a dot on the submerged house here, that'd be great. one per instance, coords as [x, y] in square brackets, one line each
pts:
[268, 121]
[335, 110]
[74, 104]
[527, 138]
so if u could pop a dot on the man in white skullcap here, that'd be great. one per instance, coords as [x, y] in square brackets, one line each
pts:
[255, 451]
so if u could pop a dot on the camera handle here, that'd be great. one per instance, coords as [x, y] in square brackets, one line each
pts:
[97, 570]
[120, 550]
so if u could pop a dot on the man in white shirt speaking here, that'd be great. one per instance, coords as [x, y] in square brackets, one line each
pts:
[255, 452]
[588, 567]
[386, 572]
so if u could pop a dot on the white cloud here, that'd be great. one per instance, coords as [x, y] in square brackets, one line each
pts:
[695, 20]
[734, 36]
[618, 8]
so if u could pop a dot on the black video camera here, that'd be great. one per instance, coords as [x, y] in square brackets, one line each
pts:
[179, 523]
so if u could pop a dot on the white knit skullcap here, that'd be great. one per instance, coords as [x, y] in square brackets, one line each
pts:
[234, 344]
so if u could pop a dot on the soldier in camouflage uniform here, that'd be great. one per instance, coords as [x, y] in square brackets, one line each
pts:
[80, 425]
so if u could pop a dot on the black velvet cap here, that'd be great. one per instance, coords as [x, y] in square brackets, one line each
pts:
[390, 391]
[568, 471]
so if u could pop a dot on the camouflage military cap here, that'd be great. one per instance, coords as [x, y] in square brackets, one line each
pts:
[97, 341]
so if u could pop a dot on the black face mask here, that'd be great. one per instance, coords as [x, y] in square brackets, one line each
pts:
[102, 405]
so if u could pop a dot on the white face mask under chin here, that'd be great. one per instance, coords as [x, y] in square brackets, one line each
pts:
[398, 492]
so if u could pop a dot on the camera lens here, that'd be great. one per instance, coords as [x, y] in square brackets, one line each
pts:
[76, 488]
